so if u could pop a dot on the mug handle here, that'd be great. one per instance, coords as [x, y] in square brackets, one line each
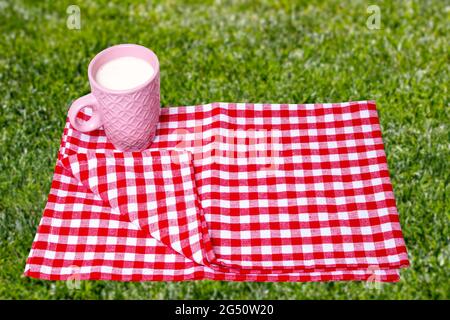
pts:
[94, 122]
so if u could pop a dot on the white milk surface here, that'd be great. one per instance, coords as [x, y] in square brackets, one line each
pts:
[124, 73]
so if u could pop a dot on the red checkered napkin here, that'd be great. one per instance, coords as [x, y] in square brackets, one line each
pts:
[246, 192]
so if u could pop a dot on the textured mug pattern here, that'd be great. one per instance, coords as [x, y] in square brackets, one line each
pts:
[130, 120]
[129, 117]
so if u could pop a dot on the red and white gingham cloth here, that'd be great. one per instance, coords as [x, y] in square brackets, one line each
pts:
[244, 192]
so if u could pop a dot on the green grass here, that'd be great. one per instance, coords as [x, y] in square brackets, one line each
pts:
[311, 51]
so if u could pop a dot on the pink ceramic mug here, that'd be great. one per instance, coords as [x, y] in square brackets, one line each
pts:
[129, 117]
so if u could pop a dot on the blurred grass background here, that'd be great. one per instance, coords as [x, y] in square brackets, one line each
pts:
[235, 51]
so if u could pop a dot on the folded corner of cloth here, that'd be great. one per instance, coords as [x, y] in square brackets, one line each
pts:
[325, 212]
[155, 189]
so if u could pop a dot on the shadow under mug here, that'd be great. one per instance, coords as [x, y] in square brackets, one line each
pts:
[129, 117]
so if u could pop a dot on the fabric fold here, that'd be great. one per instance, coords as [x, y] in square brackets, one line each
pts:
[154, 189]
